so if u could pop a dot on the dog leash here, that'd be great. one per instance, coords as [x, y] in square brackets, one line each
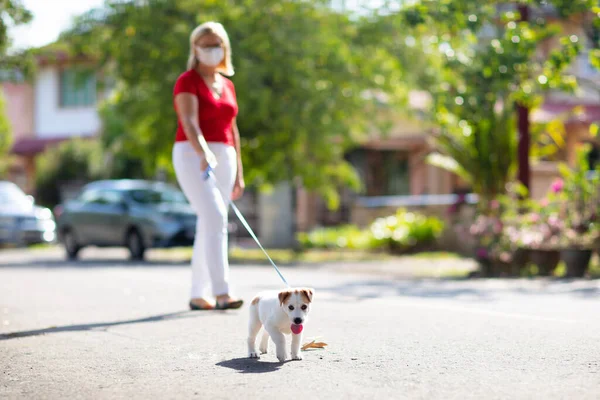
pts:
[209, 173]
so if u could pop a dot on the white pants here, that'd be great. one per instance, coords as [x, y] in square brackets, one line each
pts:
[210, 200]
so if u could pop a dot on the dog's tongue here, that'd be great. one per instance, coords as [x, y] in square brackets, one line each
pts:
[297, 329]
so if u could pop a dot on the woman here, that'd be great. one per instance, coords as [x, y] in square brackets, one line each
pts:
[207, 134]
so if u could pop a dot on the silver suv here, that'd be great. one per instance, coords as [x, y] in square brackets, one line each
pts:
[136, 214]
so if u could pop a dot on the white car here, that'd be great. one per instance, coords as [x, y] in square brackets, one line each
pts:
[22, 223]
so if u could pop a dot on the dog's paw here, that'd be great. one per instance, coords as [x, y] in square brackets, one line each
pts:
[297, 357]
[264, 350]
[253, 354]
[281, 357]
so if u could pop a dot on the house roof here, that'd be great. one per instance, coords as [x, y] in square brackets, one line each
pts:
[30, 146]
[568, 113]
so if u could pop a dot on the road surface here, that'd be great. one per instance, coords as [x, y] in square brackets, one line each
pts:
[106, 328]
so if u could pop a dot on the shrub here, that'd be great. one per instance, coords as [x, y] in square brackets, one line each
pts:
[402, 232]
[77, 160]
[406, 231]
[342, 237]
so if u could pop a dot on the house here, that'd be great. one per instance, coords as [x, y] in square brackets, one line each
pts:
[59, 104]
[394, 170]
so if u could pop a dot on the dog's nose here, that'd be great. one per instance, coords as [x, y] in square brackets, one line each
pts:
[297, 321]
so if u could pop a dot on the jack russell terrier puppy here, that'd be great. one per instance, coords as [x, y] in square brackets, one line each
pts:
[279, 313]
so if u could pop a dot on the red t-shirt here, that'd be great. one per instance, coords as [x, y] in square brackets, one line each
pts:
[215, 115]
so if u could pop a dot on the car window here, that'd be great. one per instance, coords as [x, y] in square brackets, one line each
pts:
[98, 196]
[89, 196]
[151, 196]
[111, 197]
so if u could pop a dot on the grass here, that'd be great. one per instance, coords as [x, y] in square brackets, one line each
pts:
[284, 256]
[594, 269]
[437, 255]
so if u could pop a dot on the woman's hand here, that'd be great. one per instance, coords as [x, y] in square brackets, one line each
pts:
[238, 188]
[208, 159]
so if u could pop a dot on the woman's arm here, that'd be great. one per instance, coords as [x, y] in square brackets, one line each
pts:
[187, 112]
[239, 185]
[236, 142]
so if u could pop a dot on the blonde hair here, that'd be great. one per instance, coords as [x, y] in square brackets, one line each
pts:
[226, 67]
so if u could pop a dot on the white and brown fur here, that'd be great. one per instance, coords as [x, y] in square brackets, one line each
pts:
[276, 311]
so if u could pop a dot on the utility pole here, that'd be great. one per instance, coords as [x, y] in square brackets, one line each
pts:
[523, 126]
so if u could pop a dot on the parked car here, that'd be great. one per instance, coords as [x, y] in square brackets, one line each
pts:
[135, 214]
[22, 223]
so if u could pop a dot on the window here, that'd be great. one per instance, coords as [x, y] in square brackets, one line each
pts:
[89, 196]
[383, 172]
[151, 196]
[77, 88]
[112, 197]
[95, 196]
[395, 173]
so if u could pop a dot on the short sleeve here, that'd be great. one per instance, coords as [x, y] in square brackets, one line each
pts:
[185, 84]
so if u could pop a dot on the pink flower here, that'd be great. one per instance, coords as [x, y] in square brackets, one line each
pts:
[534, 218]
[544, 203]
[553, 221]
[498, 227]
[557, 185]
[482, 253]
[494, 204]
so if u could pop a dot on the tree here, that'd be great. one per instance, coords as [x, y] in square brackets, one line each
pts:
[5, 136]
[12, 12]
[485, 62]
[72, 161]
[301, 79]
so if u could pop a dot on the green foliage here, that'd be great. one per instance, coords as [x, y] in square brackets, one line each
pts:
[581, 199]
[13, 13]
[5, 136]
[342, 237]
[73, 161]
[123, 158]
[406, 231]
[486, 61]
[481, 151]
[402, 232]
[301, 76]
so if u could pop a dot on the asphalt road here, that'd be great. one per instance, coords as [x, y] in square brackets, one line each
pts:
[104, 328]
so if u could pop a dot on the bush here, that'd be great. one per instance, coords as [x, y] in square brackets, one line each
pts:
[343, 237]
[406, 231]
[402, 232]
[77, 160]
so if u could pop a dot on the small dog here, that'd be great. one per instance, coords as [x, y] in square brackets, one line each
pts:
[279, 313]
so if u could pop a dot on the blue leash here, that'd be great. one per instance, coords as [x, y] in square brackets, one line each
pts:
[207, 174]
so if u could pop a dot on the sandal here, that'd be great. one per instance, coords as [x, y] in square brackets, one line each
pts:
[196, 307]
[229, 305]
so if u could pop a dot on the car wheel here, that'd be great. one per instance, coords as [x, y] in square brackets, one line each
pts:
[71, 246]
[135, 245]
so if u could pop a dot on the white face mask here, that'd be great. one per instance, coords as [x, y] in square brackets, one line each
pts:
[210, 56]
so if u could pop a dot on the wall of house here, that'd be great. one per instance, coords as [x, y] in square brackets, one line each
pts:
[542, 176]
[19, 108]
[52, 120]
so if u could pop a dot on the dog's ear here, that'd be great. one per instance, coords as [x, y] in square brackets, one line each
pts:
[308, 294]
[283, 296]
